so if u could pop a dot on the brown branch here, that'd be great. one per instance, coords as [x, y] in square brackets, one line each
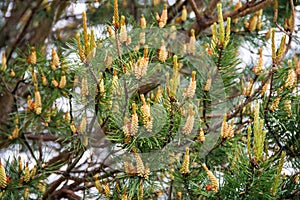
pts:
[52, 187]
[195, 9]
[65, 193]
[246, 9]
[63, 157]
[42, 137]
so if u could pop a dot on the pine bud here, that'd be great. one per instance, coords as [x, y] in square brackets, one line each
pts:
[41, 186]
[85, 35]
[98, 185]
[221, 23]
[190, 91]
[54, 82]
[26, 193]
[146, 171]
[274, 104]
[273, 45]
[116, 14]
[192, 43]
[201, 136]
[107, 189]
[15, 133]
[157, 17]
[189, 124]
[224, 127]
[298, 68]
[73, 128]
[30, 103]
[33, 172]
[101, 86]
[158, 95]
[93, 43]
[110, 31]
[164, 17]
[3, 180]
[264, 88]
[44, 80]
[259, 24]
[162, 52]
[207, 85]
[140, 67]
[291, 79]
[178, 195]
[55, 59]
[248, 91]
[230, 130]
[257, 69]
[26, 173]
[31, 59]
[214, 33]
[80, 50]
[228, 31]
[34, 77]
[288, 107]
[212, 178]
[143, 22]
[142, 38]
[173, 34]
[38, 103]
[253, 23]
[12, 73]
[139, 165]
[63, 81]
[141, 191]
[134, 121]
[184, 14]
[186, 162]
[282, 47]
[147, 119]
[123, 31]
[20, 164]
[4, 65]
[268, 34]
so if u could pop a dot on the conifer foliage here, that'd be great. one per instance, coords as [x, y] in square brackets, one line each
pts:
[161, 109]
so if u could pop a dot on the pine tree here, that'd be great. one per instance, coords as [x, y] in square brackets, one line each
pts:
[149, 111]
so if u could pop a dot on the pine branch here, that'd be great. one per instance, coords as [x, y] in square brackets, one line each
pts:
[246, 9]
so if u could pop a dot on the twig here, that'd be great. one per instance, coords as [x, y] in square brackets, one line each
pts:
[170, 191]
[53, 186]
[195, 9]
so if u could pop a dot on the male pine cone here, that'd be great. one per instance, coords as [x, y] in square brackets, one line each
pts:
[3, 182]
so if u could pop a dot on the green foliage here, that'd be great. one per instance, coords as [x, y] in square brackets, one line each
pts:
[118, 118]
